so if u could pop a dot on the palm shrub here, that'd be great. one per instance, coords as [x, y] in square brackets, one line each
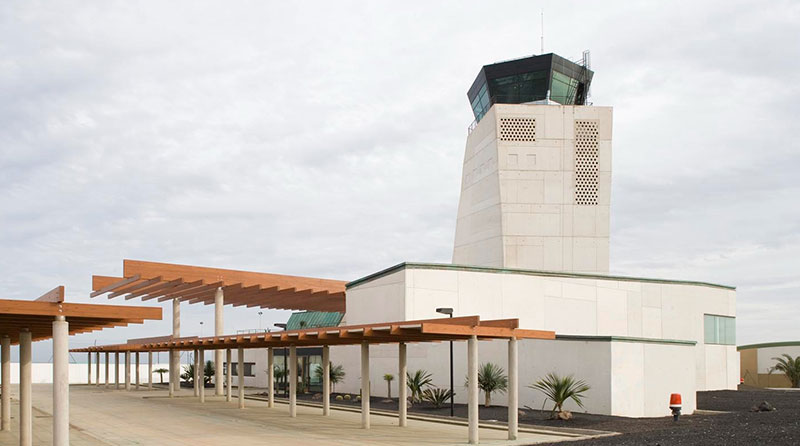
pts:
[388, 378]
[788, 366]
[336, 375]
[491, 378]
[559, 389]
[161, 373]
[208, 372]
[436, 396]
[417, 383]
[188, 374]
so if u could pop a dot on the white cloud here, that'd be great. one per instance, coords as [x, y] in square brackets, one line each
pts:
[326, 139]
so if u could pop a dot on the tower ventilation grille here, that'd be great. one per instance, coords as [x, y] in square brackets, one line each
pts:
[518, 129]
[587, 162]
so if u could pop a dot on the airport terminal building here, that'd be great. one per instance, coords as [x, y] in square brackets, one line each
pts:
[532, 242]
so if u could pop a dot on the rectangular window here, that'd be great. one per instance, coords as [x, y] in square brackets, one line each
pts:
[720, 329]
[248, 368]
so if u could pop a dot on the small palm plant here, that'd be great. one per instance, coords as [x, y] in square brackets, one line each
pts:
[417, 383]
[491, 378]
[388, 378]
[208, 372]
[188, 374]
[436, 396]
[161, 373]
[336, 375]
[788, 366]
[559, 389]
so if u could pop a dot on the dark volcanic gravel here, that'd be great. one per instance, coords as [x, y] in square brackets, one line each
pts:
[737, 426]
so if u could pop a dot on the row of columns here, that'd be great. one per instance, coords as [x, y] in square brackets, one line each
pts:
[472, 375]
[137, 380]
[472, 379]
[60, 384]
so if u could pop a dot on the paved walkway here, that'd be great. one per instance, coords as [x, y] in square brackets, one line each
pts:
[109, 417]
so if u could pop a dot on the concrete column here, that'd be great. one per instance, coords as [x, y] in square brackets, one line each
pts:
[365, 385]
[175, 358]
[219, 325]
[402, 389]
[271, 376]
[5, 384]
[116, 370]
[89, 363]
[201, 377]
[97, 370]
[196, 377]
[61, 381]
[240, 373]
[108, 375]
[472, 378]
[326, 380]
[513, 389]
[127, 370]
[171, 374]
[149, 370]
[25, 407]
[228, 380]
[136, 372]
[292, 378]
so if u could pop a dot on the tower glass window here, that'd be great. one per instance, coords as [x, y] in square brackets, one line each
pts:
[529, 79]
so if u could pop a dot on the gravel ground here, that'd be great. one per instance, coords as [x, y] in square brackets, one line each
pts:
[737, 426]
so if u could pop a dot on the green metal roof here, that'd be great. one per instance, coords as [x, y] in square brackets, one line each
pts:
[313, 319]
[486, 269]
[768, 345]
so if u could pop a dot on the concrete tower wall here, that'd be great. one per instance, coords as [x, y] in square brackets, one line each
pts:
[536, 189]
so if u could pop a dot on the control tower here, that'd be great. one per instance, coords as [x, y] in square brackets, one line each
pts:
[536, 180]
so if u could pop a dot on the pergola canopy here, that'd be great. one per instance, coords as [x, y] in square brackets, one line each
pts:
[429, 330]
[37, 316]
[195, 284]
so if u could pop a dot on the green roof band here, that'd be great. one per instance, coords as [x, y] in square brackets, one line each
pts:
[768, 345]
[487, 269]
[623, 339]
[313, 319]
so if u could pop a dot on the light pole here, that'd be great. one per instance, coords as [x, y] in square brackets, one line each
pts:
[449, 311]
[285, 370]
[201, 329]
[259, 320]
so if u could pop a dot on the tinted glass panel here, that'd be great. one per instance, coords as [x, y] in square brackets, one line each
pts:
[519, 88]
[563, 88]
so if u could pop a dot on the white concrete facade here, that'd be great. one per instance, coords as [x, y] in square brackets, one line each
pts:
[641, 333]
[632, 378]
[536, 189]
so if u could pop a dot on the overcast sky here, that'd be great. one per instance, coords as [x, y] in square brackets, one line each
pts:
[326, 139]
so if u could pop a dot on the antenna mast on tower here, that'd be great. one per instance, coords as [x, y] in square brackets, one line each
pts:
[542, 40]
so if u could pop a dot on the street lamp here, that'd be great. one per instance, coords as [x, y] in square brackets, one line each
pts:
[201, 329]
[285, 364]
[259, 320]
[449, 311]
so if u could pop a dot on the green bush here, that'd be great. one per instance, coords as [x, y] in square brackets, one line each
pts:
[788, 366]
[559, 389]
[436, 396]
[417, 383]
[347, 397]
[339, 398]
[491, 378]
